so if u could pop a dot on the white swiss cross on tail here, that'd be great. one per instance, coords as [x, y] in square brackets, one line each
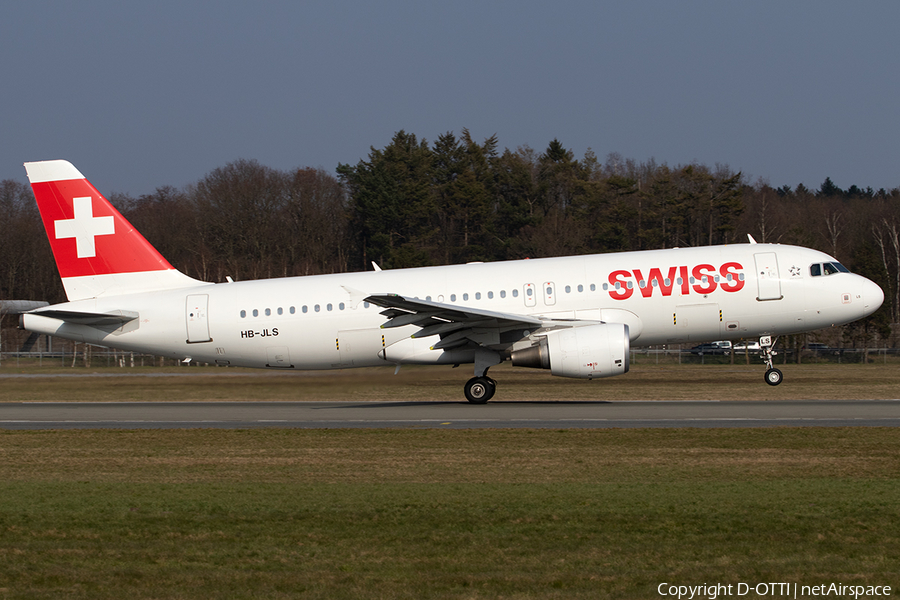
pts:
[84, 227]
[122, 262]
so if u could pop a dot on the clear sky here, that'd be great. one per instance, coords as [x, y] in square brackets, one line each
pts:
[144, 94]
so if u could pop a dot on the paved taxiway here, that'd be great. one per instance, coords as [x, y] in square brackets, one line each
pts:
[130, 415]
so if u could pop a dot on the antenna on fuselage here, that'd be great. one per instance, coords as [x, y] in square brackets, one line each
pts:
[750, 237]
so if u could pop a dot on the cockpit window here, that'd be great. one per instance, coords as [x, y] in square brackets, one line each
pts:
[829, 268]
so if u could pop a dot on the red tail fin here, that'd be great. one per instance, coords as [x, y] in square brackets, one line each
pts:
[96, 250]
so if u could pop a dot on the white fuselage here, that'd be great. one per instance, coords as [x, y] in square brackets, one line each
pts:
[322, 322]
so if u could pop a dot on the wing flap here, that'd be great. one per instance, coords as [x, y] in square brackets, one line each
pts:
[444, 312]
[456, 325]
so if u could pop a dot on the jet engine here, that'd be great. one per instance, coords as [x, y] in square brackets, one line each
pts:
[586, 352]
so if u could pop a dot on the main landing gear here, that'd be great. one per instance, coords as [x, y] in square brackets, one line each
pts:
[773, 376]
[480, 389]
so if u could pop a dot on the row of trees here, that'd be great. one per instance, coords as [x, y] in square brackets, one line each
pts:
[457, 200]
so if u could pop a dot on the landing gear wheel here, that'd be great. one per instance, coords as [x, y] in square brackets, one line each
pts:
[773, 376]
[479, 390]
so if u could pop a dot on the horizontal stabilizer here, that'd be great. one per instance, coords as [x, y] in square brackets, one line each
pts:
[114, 319]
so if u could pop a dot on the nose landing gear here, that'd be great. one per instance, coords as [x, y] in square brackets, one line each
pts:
[773, 376]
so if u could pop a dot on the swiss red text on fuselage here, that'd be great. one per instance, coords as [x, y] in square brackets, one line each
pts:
[699, 279]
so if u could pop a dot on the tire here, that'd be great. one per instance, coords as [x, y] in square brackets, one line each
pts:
[773, 377]
[479, 390]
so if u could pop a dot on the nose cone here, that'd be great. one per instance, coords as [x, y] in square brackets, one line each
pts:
[873, 296]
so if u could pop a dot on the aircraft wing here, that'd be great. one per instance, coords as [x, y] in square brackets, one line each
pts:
[457, 325]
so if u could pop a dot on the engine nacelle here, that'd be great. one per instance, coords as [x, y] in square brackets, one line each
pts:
[583, 352]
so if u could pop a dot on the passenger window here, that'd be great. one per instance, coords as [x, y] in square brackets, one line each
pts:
[452, 297]
[515, 293]
[280, 311]
[243, 314]
[568, 289]
[530, 292]
[316, 308]
[304, 309]
[341, 306]
[255, 312]
[268, 312]
[815, 270]
[466, 296]
[427, 299]
[490, 295]
[328, 307]
[478, 295]
[594, 287]
[503, 293]
[293, 310]
[580, 288]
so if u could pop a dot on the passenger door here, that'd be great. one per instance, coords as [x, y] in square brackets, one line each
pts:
[768, 281]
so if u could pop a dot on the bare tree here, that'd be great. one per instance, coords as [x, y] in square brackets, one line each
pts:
[834, 224]
[887, 238]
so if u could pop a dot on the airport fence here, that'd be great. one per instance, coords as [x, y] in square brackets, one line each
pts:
[685, 356]
[97, 356]
[88, 356]
[23, 349]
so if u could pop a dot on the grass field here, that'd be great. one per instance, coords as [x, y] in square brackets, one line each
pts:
[442, 514]
[282, 513]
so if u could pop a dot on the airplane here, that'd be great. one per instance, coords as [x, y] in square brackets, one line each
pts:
[576, 316]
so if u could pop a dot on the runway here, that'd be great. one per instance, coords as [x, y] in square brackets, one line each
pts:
[452, 415]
